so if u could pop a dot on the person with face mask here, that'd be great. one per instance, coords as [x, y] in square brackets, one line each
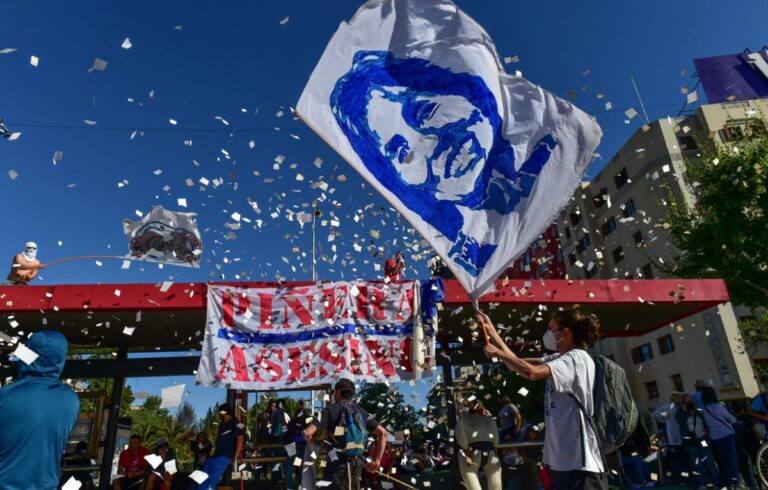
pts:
[570, 375]
[24, 267]
[229, 444]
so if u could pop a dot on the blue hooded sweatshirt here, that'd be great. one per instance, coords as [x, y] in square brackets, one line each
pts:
[37, 413]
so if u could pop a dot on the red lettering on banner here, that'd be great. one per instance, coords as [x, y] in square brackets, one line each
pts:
[264, 362]
[228, 307]
[302, 313]
[406, 304]
[265, 311]
[334, 357]
[370, 300]
[241, 368]
[382, 355]
[335, 299]
[244, 302]
[405, 355]
[300, 363]
[361, 359]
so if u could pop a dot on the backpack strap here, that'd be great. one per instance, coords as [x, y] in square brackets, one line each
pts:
[724, 422]
[591, 422]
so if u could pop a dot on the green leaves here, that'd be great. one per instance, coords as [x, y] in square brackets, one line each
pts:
[725, 234]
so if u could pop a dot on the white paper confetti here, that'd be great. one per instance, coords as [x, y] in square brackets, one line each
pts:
[198, 476]
[171, 396]
[25, 354]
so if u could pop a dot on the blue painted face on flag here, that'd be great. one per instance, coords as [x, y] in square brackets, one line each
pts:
[434, 139]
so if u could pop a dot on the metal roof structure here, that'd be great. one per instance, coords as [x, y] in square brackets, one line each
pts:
[172, 317]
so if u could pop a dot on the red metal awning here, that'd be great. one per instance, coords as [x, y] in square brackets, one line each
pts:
[174, 317]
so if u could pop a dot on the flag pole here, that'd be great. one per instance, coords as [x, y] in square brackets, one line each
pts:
[476, 306]
[315, 214]
[399, 482]
[85, 257]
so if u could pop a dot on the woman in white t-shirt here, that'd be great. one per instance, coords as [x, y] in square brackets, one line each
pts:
[571, 451]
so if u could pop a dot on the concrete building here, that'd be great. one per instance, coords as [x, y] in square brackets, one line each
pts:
[543, 259]
[614, 228]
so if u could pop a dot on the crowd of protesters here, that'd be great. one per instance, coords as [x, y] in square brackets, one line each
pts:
[694, 439]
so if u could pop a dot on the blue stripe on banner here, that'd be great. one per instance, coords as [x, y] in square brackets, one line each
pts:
[334, 331]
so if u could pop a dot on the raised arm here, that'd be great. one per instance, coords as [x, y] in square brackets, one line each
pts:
[529, 370]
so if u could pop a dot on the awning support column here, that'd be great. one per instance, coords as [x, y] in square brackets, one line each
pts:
[450, 406]
[110, 438]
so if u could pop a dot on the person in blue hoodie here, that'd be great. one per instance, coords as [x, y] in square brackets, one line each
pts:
[37, 413]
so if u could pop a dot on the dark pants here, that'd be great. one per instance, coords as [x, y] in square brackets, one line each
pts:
[727, 459]
[701, 468]
[578, 480]
[344, 474]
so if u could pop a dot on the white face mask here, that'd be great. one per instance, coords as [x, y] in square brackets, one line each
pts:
[549, 340]
[29, 252]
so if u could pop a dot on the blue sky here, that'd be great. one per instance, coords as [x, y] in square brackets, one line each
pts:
[194, 61]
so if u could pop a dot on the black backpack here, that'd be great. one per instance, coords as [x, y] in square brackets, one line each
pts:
[615, 417]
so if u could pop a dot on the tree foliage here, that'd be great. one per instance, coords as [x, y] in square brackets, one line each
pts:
[389, 408]
[754, 332]
[151, 423]
[725, 234]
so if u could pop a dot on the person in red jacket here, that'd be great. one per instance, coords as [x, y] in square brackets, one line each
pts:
[394, 266]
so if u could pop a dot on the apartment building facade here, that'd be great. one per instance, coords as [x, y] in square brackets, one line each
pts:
[614, 228]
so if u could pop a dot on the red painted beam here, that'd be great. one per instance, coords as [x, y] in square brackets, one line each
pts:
[656, 291]
[192, 296]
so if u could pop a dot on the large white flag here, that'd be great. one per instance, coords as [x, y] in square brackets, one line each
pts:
[164, 236]
[413, 95]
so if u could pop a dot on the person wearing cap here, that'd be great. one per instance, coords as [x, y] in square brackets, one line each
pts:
[344, 472]
[229, 444]
[24, 267]
[37, 413]
[162, 473]
[393, 267]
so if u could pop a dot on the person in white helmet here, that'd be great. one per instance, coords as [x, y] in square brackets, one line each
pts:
[25, 266]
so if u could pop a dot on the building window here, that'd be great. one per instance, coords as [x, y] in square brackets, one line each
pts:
[618, 254]
[575, 217]
[688, 143]
[621, 178]
[572, 258]
[652, 389]
[590, 273]
[568, 232]
[677, 383]
[647, 271]
[584, 244]
[609, 226]
[629, 209]
[638, 236]
[599, 199]
[641, 354]
[666, 345]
